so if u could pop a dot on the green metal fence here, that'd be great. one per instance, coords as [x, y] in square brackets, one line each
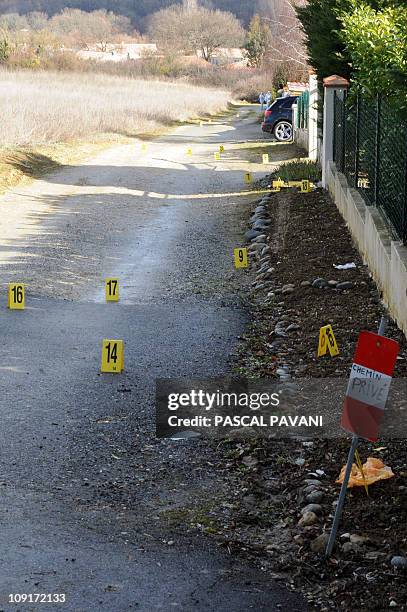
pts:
[370, 148]
[303, 110]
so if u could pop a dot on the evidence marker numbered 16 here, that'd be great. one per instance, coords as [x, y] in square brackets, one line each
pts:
[112, 289]
[241, 259]
[16, 297]
[112, 356]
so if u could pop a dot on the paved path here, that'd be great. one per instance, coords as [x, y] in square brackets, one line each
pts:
[86, 488]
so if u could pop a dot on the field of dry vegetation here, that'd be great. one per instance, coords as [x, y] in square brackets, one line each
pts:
[47, 107]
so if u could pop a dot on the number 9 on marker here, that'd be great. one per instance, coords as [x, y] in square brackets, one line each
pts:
[16, 299]
[112, 356]
[112, 289]
[241, 259]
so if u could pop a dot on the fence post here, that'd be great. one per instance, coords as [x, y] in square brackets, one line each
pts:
[357, 141]
[331, 84]
[377, 149]
[313, 118]
[343, 119]
[404, 226]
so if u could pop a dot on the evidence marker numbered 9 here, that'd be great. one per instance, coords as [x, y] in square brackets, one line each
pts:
[241, 258]
[16, 296]
[112, 289]
[112, 356]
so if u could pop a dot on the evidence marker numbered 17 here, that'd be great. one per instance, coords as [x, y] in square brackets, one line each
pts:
[16, 296]
[112, 356]
[241, 258]
[112, 289]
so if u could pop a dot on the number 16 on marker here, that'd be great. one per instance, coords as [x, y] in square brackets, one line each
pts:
[16, 300]
[112, 356]
[241, 260]
[112, 289]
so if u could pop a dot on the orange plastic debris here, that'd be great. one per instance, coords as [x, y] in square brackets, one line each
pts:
[374, 470]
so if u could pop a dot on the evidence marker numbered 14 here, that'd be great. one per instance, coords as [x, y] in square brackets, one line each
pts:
[112, 356]
[16, 296]
[112, 289]
[241, 259]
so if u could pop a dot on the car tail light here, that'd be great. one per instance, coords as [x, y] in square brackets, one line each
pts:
[267, 113]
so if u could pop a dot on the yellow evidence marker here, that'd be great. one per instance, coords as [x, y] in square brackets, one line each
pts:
[144, 147]
[221, 149]
[112, 289]
[112, 356]
[189, 151]
[265, 158]
[241, 259]
[327, 340]
[248, 178]
[294, 183]
[278, 184]
[216, 156]
[305, 186]
[16, 298]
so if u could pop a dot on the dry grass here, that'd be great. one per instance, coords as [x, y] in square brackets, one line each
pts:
[48, 107]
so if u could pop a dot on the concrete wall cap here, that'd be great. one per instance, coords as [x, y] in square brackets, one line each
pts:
[335, 81]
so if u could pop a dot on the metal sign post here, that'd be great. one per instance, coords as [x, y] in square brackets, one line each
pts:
[352, 450]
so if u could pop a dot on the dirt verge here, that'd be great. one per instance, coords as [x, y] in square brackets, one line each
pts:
[305, 239]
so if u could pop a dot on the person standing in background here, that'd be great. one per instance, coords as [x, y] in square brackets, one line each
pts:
[268, 98]
[286, 92]
[261, 99]
[280, 90]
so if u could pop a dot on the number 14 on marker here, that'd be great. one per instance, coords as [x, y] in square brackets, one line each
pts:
[112, 356]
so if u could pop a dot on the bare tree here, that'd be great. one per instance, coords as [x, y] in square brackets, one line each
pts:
[188, 29]
[83, 29]
[287, 46]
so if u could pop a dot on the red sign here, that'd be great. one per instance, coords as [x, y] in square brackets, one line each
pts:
[369, 385]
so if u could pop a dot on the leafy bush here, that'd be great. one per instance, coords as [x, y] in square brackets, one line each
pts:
[377, 43]
[298, 170]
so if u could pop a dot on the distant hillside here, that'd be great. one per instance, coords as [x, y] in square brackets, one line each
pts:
[137, 10]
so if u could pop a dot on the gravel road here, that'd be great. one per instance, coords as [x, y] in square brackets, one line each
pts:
[86, 487]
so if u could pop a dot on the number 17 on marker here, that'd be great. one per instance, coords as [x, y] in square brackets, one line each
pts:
[112, 289]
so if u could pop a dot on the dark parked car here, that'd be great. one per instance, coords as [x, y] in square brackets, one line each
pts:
[278, 118]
